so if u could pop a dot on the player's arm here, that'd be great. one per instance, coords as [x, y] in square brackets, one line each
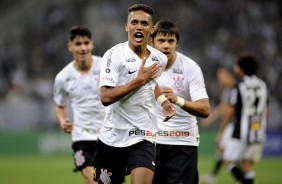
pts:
[229, 114]
[215, 115]
[110, 95]
[199, 108]
[63, 119]
[168, 109]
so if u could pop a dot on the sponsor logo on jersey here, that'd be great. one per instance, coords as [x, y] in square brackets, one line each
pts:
[177, 71]
[108, 70]
[148, 133]
[138, 132]
[178, 83]
[131, 72]
[109, 61]
[105, 176]
[154, 58]
[108, 79]
[129, 60]
[173, 133]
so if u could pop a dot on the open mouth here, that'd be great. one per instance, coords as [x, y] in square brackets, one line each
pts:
[138, 37]
[166, 53]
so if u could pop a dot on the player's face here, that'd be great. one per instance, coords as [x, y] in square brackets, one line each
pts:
[81, 48]
[139, 26]
[167, 44]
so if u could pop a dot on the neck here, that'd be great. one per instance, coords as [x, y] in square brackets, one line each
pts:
[141, 50]
[170, 62]
[83, 66]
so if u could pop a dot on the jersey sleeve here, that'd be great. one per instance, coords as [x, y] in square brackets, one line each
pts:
[59, 94]
[109, 68]
[197, 84]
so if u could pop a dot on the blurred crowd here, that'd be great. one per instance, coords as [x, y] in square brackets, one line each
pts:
[33, 42]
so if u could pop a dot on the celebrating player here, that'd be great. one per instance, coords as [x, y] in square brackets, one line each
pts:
[182, 83]
[129, 90]
[79, 83]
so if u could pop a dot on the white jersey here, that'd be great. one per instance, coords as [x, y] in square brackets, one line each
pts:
[132, 118]
[84, 94]
[186, 79]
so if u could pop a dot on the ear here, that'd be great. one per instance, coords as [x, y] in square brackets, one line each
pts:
[126, 27]
[93, 45]
[152, 29]
[69, 46]
[151, 41]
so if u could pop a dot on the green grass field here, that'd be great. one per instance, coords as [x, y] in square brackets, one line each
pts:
[58, 170]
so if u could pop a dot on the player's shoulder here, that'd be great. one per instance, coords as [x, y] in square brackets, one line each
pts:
[156, 52]
[96, 57]
[188, 62]
[66, 72]
[117, 49]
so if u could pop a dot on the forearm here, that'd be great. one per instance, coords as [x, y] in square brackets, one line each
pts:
[200, 108]
[61, 114]
[110, 95]
[227, 118]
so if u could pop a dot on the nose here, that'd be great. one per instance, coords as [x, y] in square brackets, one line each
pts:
[139, 26]
[83, 47]
[166, 45]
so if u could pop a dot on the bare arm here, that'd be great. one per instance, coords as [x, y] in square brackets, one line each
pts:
[199, 108]
[63, 119]
[217, 113]
[230, 112]
[110, 95]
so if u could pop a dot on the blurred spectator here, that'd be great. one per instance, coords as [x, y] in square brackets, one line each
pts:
[32, 40]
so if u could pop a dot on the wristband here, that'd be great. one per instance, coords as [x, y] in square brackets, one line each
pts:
[161, 99]
[180, 101]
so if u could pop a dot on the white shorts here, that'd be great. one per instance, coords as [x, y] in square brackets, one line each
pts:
[226, 136]
[237, 150]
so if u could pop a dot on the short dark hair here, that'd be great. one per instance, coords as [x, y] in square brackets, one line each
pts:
[247, 62]
[79, 30]
[141, 7]
[166, 27]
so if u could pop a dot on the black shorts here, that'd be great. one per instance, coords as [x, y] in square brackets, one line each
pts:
[176, 165]
[113, 163]
[83, 154]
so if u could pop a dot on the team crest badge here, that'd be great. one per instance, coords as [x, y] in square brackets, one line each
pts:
[79, 158]
[105, 176]
[178, 83]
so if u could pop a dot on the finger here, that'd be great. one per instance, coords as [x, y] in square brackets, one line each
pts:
[144, 61]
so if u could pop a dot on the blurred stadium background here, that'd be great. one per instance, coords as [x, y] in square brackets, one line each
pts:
[33, 37]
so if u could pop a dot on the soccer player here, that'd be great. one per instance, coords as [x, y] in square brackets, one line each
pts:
[79, 83]
[182, 83]
[226, 81]
[248, 106]
[128, 87]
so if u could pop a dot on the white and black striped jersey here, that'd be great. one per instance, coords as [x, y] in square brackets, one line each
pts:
[249, 97]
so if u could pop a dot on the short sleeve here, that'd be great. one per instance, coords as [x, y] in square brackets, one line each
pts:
[59, 94]
[110, 68]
